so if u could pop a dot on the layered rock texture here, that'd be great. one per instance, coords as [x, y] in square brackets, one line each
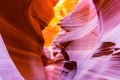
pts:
[83, 36]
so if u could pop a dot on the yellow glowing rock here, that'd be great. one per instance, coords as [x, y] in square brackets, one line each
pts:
[63, 8]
